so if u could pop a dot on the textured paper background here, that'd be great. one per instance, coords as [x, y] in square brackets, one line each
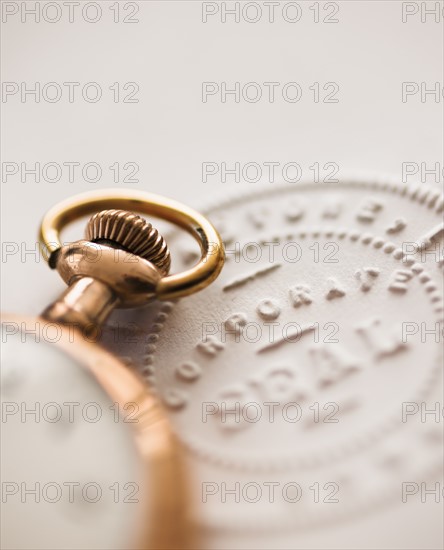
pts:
[171, 132]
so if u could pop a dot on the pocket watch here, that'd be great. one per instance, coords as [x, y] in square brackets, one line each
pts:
[88, 459]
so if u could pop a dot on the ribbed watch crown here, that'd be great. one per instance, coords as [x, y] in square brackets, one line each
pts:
[132, 233]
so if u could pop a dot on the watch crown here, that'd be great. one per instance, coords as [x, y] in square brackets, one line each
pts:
[132, 233]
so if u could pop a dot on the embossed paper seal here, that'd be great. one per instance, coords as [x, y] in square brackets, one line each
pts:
[297, 364]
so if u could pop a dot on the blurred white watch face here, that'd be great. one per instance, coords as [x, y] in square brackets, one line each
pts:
[70, 471]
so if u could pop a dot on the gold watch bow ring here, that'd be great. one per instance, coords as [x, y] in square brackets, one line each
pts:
[88, 457]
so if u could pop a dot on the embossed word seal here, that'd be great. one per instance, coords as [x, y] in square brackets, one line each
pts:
[295, 367]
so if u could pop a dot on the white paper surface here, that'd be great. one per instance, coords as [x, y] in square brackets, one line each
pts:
[185, 139]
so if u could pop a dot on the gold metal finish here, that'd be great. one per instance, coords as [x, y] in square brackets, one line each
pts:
[170, 287]
[86, 304]
[126, 266]
[132, 279]
[162, 518]
[163, 525]
[132, 233]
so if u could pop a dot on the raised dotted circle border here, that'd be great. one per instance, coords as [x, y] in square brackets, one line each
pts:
[366, 239]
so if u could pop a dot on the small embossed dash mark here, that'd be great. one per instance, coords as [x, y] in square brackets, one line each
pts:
[427, 239]
[248, 278]
[300, 331]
